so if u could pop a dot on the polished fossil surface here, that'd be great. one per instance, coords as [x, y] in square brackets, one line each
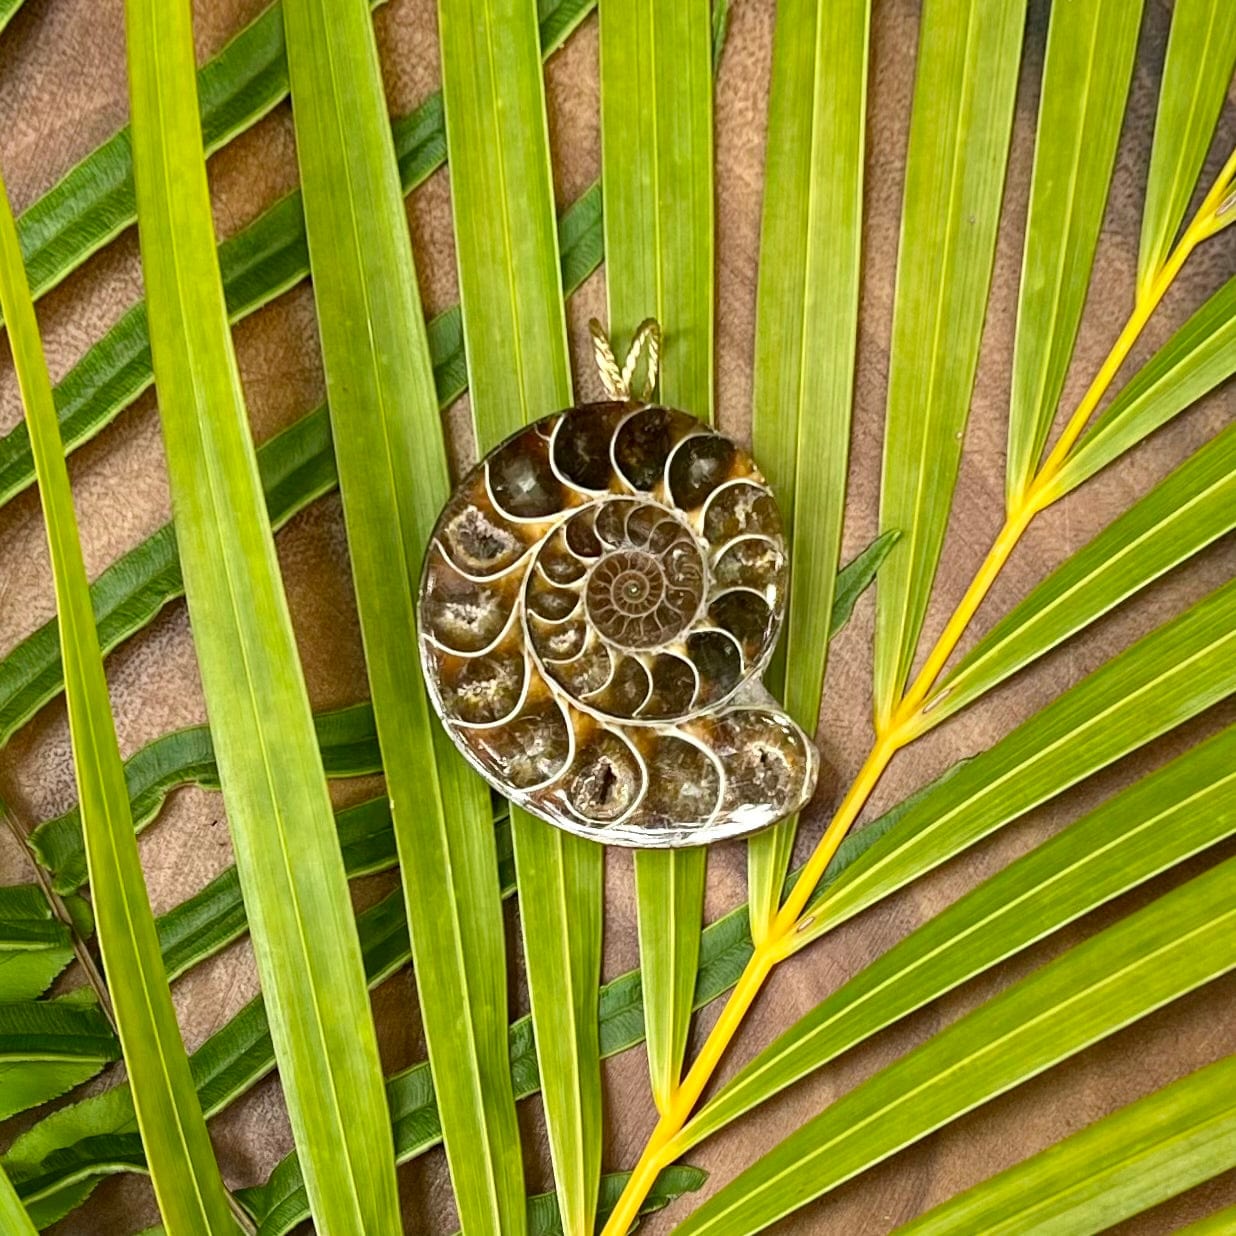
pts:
[599, 599]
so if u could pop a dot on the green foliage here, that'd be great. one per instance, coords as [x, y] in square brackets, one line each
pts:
[12, 1213]
[1201, 54]
[95, 201]
[295, 888]
[49, 1046]
[80, 1142]
[388, 375]
[544, 1216]
[1086, 73]
[1170, 675]
[296, 467]
[1200, 355]
[1137, 1157]
[35, 946]
[346, 738]
[805, 345]
[186, 1177]
[511, 293]
[1160, 821]
[969, 52]
[1177, 943]
[393, 479]
[260, 262]
[7, 9]
[1185, 512]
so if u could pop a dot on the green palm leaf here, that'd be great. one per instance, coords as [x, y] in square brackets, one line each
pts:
[965, 82]
[295, 890]
[511, 291]
[656, 178]
[1188, 510]
[7, 9]
[544, 1209]
[186, 1177]
[1161, 820]
[1201, 54]
[1137, 1157]
[215, 915]
[1221, 1223]
[1200, 355]
[58, 1162]
[49, 1046]
[1086, 73]
[94, 201]
[346, 738]
[67, 1151]
[1179, 942]
[296, 466]
[35, 946]
[1174, 673]
[806, 340]
[83, 1146]
[259, 262]
[393, 479]
[12, 1213]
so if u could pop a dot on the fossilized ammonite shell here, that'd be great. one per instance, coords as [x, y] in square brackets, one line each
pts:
[599, 599]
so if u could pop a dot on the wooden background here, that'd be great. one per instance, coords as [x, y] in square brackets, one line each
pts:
[62, 91]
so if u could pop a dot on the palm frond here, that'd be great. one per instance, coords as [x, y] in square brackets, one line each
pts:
[1221, 1223]
[1086, 74]
[12, 1213]
[65, 1156]
[35, 945]
[1196, 359]
[1191, 508]
[1174, 673]
[1160, 821]
[1178, 943]
[58, 1162]
[393, 479]
[346, 739]
[94, 201]
[49, 1046]
[1201, 55]
[303, 932]
[961, 122]
[186, 1177]
[262, 260]
[1117, 1167]
[657, 218]
[806, 340]
[297, 466]
[511, 294]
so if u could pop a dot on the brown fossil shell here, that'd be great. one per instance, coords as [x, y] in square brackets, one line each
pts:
[599, 599]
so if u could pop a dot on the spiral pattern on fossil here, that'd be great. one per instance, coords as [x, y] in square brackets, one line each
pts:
[599, 599]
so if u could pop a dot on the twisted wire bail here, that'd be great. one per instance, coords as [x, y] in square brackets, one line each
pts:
[616, 386]
[646, 342]
[647, 338]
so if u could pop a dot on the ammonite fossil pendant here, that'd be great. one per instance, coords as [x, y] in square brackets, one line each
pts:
[599, 599]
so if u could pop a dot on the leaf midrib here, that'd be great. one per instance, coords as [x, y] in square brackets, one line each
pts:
[1041, 753]
[803, 1164]
[918, 962]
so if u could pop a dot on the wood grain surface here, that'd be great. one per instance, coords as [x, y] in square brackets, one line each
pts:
[62, 91]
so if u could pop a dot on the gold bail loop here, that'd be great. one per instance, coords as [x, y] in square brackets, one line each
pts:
[617, 382]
